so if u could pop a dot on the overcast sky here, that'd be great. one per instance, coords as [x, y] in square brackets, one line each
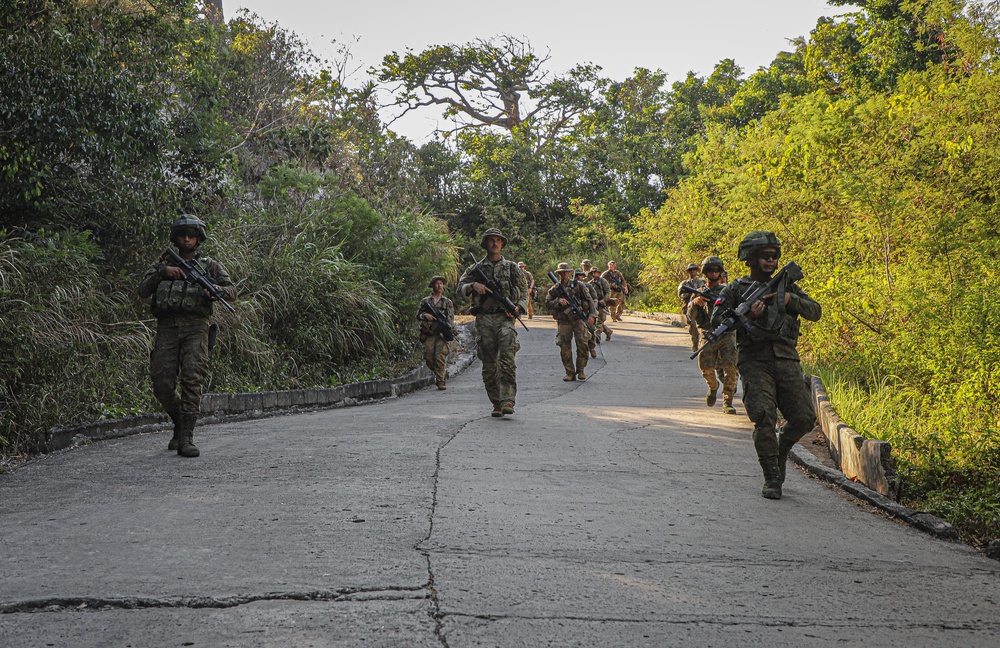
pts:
[675, 36]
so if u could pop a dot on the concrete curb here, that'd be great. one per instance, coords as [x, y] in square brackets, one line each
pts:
[923, 521]
[674, 319]
[216, 408]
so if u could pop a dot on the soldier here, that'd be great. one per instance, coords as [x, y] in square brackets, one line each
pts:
[586, 265]
[693, 281]
[182, 310]
[496, 339]
[436, 339]
[768, 359]
[593, 336]
[604, 296]
[619, 288]
[720, 356]
[571, 325]
[532, 288]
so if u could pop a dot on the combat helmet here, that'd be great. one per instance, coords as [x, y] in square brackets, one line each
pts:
[188, 221]
[712, 262]
[492, 232]
[756, 241]
[692, 266]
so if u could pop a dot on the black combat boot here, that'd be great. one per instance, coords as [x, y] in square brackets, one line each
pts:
[784, 447]
[765, 442]
[185, 444]
[175, 418]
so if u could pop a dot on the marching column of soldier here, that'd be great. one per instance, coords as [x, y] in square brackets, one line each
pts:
[746, 328]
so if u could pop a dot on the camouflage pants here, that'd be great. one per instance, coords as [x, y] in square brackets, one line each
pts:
[436, 356]
[565, 334]
[693, 330]
[619, 306]
[601, 325]
[496, 346]
[179, 361]
[720, 355]
[777, 384]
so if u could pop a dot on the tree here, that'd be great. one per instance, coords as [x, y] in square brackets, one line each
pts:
[499, 82]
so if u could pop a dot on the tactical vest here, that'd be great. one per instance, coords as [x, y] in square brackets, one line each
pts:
[178, 297]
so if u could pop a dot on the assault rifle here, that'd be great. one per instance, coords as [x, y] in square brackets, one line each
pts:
[194, 276]
[787, 276]
[495, 292]
[574, 305]
[688, 290]
[442, 326]
[616, 285]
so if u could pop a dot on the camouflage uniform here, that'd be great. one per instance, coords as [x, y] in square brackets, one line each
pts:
[496, 339]
[593, 337]
[721, 354]
[436, 348]
[618, 284]
[532, 290]
[179, 358]
[699, 284]
[572, 327]
[603, 293]
[769, 364]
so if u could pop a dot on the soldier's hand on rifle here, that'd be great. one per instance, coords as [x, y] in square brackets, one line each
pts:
[426, 316]
[590, 321]
[173, 272]
[699, 301]
[563, 301]
[770, 298]
[756, 310]
[480, 288]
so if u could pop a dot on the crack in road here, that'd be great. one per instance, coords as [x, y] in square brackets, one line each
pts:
[738, 621]
[59, 603]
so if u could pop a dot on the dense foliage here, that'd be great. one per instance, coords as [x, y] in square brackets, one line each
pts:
[117, 116]
[888, 199]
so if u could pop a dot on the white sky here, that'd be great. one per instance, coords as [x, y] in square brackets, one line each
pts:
[675, 36]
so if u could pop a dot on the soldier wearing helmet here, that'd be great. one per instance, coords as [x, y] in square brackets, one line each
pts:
[532, 288]
[619, 288]
[496, 339]
[768, 359]
[604, 301]
[570, 325]
[696, 282]
[436, 341]
[179, 360]
[720, 356]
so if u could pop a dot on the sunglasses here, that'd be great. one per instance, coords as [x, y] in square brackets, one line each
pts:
[713, 270]
[769, 256]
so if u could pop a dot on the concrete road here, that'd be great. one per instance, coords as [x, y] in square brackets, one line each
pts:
[620, 511]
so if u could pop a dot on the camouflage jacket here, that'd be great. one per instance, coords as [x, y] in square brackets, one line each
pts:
[697, 283]
[176, 297]
[702, 315]
[444, 306]
[602, 287]
[511, 281]
[616, 279]
[774, 334]
[580, 291]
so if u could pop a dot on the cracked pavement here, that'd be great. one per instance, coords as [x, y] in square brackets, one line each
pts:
[619, 511]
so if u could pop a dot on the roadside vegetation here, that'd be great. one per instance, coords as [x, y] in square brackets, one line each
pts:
[872, 147]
